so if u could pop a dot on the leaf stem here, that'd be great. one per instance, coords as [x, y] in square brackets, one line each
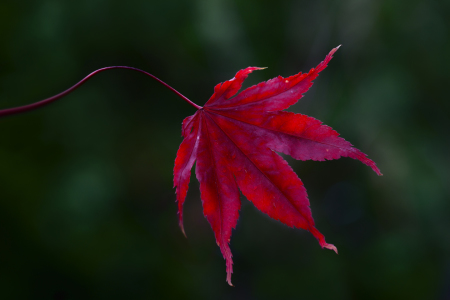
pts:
[25, 108]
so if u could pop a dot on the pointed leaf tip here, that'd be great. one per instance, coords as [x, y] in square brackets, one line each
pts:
[331, 247]
[335, 49]
[182, 229]
[229, 282]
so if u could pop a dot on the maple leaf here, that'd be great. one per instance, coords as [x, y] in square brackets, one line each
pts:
[234, 141]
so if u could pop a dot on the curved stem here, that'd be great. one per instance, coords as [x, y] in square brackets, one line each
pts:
[25, 108]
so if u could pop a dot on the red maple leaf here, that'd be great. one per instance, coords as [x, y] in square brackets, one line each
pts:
[234, 142]
[234, 139]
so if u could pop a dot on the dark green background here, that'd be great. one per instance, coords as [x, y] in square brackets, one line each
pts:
[87, 209]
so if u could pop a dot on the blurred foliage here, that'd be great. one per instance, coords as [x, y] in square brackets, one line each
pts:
[86, 201]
